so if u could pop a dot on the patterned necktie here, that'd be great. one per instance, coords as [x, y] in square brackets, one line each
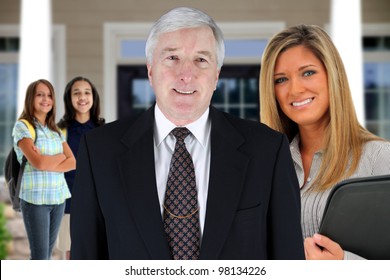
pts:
[181, 215]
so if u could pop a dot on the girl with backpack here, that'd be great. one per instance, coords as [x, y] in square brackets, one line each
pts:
[43, 187]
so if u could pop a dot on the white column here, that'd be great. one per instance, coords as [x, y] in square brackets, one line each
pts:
[346, 32]
[35, 56]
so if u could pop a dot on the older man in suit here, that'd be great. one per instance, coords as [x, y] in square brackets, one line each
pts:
[226, 189]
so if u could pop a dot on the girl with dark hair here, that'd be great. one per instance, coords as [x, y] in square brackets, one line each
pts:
[82, 113]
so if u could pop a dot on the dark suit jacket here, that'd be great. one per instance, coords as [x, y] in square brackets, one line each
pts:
[253, 204]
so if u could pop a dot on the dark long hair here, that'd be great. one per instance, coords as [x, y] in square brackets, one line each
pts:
[28, 110]
[70, 112]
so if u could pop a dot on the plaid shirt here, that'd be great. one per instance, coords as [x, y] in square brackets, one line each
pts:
[41, 187]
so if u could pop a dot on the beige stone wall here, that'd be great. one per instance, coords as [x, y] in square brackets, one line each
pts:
[376, 11]
[9, 12]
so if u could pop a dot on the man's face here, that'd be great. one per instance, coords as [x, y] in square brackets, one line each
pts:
[184, 73]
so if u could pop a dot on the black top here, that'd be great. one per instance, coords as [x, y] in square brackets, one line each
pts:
[74, 133]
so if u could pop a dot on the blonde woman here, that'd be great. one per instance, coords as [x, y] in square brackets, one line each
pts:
[304, 93]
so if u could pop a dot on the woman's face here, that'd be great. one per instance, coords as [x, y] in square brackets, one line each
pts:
[301, 87]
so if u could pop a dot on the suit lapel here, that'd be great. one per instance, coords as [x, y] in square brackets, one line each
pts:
[137, 169]
[227, 173]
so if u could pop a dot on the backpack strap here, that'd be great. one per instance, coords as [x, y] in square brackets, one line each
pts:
[23, 164]
[64, 132]
[33, 135]
[30, 128]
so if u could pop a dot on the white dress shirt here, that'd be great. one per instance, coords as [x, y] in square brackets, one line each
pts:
[197, 144]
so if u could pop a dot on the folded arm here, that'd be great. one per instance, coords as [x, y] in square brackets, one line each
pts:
[59, 163]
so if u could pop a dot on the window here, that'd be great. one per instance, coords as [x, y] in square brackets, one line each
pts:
[9, 44]
[376, 43]
[8, 88]
[237, 90]
[376, 47]
[377, 97]
[9, 48]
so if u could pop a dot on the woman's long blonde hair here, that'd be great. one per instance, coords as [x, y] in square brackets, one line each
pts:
[344, 136]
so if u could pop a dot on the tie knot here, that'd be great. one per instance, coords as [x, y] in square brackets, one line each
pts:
[180, 133]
